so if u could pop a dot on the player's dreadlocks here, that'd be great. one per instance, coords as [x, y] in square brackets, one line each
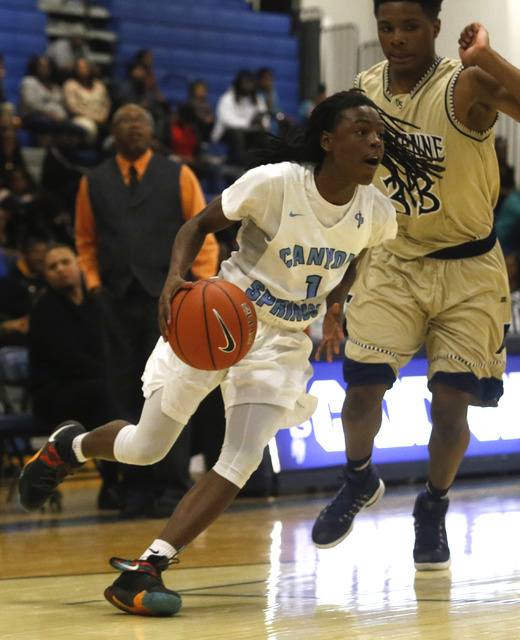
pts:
[404, 159]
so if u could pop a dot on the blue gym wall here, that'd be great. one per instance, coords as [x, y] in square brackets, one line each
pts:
[207, 39]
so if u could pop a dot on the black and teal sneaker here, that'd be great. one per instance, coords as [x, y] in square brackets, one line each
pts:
[48, 468]
[140, 588]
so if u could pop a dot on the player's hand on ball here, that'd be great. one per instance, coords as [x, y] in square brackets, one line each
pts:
[172, 285]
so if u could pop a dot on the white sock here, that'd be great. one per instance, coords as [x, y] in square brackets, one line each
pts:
[76, 448]
[160, 548]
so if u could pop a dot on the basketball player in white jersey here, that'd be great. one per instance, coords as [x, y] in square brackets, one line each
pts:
[442, 281]
[307, 217]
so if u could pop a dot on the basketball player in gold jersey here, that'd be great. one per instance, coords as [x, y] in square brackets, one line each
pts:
[442, 282]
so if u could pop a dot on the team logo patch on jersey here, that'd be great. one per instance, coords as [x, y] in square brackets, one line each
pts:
[359, 219]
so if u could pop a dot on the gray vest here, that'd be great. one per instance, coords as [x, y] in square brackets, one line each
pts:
[136, 229]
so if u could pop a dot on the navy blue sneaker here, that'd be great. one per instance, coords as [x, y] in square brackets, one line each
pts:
[431, 551]
[336, 520]
[48, 468]
[140, 588]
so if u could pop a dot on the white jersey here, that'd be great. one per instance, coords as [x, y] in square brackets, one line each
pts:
[295, 247]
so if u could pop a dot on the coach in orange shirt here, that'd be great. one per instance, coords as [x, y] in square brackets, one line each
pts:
[128, 212]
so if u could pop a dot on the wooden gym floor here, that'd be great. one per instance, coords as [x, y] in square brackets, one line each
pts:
[255, 574]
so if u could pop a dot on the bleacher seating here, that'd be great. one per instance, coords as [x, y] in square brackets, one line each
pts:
[22, 34]
[209, 39]
[217, 70]
[26, 21]
[217, 16]
[21, 5]
[225, 41]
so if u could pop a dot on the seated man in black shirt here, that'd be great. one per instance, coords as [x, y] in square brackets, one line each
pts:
[67, 374]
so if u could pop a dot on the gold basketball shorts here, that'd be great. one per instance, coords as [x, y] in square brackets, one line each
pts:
[457, 309]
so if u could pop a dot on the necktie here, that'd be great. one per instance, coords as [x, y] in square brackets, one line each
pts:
[134, 180]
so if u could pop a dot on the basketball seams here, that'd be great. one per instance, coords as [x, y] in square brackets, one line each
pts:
[206, 324]
[177, 318]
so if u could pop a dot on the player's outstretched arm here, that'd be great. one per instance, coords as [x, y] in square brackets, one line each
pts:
[491, 79]
[186, 246]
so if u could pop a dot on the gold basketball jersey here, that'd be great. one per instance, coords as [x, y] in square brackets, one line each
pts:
[457, 208]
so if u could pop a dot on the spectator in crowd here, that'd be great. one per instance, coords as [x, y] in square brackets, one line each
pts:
[35, 212]
[512, 259]
[267, 89]
[145, 58]
[54, 221]
[88, 102]
[186, 147]
[306, 107]
[8, 117]
[507, 173]
[11, 156]
[202, 109]
[507, 222]
[21, 184]
[129, 209]
[8, 237]
[67, 373]
[185, 142]
[22, 192]
[242, 118]
[19, 290]
[133, 90]
[62, 168]
[41, 105]
[65, 52]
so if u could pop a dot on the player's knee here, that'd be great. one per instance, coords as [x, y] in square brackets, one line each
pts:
[362, 401]
[449, 427]
[142, 456]
[236, 471]
[130, 448]
[449, 411]
[148, 456]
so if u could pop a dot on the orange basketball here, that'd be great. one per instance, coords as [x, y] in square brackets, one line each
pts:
[213, 324]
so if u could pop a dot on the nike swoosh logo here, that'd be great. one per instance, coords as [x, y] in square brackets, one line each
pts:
[154, 552]
[53, 436]
[293, 215]
[230, 342]
[128, 567]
